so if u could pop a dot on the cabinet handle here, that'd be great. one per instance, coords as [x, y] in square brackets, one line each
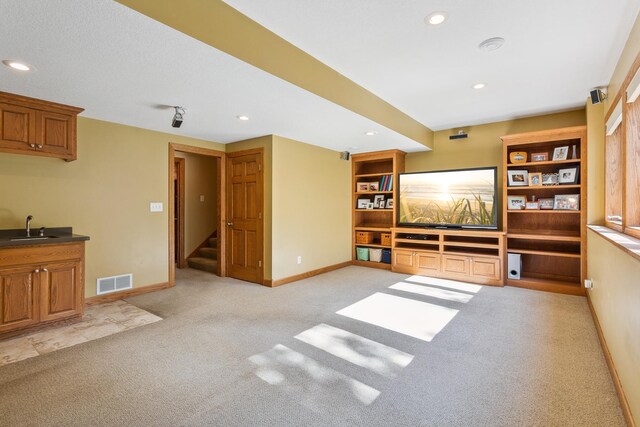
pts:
[37, 270]
[45, 270]
[32, 145]
[39, 145]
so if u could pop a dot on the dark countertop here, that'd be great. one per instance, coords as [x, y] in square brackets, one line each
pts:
[57, 235]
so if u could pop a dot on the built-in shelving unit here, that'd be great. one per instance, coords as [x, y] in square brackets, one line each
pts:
[551, 243]
[378, 168]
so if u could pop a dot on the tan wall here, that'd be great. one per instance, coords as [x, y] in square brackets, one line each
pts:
[616, 293]
[483, 147]
[201, 218]
[105, 194]
[265, 142]
[311, 208]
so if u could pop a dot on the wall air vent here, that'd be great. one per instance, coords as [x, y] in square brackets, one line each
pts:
[114, 283]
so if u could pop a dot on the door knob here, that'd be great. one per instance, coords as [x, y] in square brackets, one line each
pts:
[230, 224]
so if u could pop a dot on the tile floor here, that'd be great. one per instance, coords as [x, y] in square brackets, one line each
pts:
[98, 321]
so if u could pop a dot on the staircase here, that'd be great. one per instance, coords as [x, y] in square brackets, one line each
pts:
[206, 258]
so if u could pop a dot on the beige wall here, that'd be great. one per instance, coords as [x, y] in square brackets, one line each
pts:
[105, 194]
[483, 147]
[311, 208]
[616, 292]
[201, 218]
[266, 143]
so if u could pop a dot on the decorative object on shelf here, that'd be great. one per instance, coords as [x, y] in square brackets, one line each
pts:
[363, 186]
[549, 179]
[516, 202]
[385, 239]
[373, 186]
[560, 153]
[540, 157]
[518, 157]
[362, 254]
[378, 201]
[362, 203]
[573, 152]
[389, 203]
[568, 175]
[375, 254]
[518, 178]
[364, 237]
[567, 202]
[546, 203]
[535, 179]
[532, 205]
[370, 205]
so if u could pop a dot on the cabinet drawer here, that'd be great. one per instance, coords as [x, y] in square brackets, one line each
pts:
[486, 268]
[455, 264]
[26, 255]
[427, 263]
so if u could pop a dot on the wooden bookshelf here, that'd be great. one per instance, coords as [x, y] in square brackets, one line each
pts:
[551, 243]
[377, 167]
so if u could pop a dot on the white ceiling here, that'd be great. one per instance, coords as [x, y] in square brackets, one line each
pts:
[126, 68]
[555, 51]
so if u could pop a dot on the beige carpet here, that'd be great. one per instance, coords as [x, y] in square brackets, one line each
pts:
[354, 347]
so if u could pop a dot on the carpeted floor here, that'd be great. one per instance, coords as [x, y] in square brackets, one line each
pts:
[230, 353]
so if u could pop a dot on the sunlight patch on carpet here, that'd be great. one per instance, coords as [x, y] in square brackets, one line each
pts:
[379, 358]
[432, 292]
[444, 283]
[311, 383]
[406, 316]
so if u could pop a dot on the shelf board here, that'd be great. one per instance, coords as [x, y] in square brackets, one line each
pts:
[373, 210]
[542, 211]
[373, 192]
[549, 162]
[543, 187]
[571, 288]
[544, 253]
[372, 245]
[471, 254]
[471, 245]
[373, 264]
[370, 175]
[418, 241]
[374, 227]
[552, 235]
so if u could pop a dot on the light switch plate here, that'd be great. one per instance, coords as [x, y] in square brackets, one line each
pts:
[155, 207]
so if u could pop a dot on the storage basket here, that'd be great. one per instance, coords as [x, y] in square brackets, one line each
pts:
[362, 254]
[385, 239]
[375, 255]
[386, 256]
[364, 237]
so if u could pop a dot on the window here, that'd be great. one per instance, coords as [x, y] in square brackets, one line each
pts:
[614, 170]
[632, 158]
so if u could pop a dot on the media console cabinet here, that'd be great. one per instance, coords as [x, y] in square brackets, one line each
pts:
[466, 255]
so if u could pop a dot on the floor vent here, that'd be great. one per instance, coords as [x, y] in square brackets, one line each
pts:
[114, 283]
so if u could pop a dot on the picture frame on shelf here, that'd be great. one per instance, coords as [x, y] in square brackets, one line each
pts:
[535, 179]
[518, 178]
[516, 202]
[549, 179]
[560, 153]
[378, 201]
[540, 157]
[374, 186]
[518, 157]
[362, 203]
[567, 202]
[532, 205]
[390, 203]
[568, 175]
[546, 203]
[362, 187]
[370, 205]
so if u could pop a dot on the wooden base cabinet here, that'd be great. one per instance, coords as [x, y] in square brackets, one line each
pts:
[40, 284]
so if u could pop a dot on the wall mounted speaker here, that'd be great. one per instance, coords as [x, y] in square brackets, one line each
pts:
[514, 266]
[597, 96]
[344, 155]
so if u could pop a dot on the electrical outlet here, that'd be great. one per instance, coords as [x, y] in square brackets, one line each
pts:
[299, 259]
[202, 198]
[155, 207]
[588, 283]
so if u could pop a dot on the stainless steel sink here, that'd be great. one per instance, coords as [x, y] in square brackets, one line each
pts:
[17, 239]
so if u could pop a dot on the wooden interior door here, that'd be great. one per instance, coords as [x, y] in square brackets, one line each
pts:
[244, 196]
[178, 211]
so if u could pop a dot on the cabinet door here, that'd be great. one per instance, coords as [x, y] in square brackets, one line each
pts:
[427, 263]
[486, 268]
[60, 292]
[455, 264]
[56, 134]
[403, 258]
[17, 127]
[18, 298]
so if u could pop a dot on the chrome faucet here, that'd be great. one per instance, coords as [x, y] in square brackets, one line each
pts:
[28, 225]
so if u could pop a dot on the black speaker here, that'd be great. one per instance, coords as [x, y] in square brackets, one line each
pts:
[344, 155]
[597, 96]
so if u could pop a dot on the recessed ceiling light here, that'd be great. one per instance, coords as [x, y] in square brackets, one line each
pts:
[371, 133]
[479, 85]
[243, 118]
[491, 44]
[17, 65]
[436, 18]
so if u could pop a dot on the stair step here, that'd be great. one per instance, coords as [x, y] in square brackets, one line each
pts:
[213, 241]
[205, 264]
[211, 253]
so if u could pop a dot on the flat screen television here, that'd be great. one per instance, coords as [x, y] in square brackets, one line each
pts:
[464, 198]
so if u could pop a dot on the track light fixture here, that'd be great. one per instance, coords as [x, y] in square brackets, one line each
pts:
[178, 117]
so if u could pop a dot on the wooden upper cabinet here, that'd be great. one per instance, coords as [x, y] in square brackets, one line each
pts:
[36, 127]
